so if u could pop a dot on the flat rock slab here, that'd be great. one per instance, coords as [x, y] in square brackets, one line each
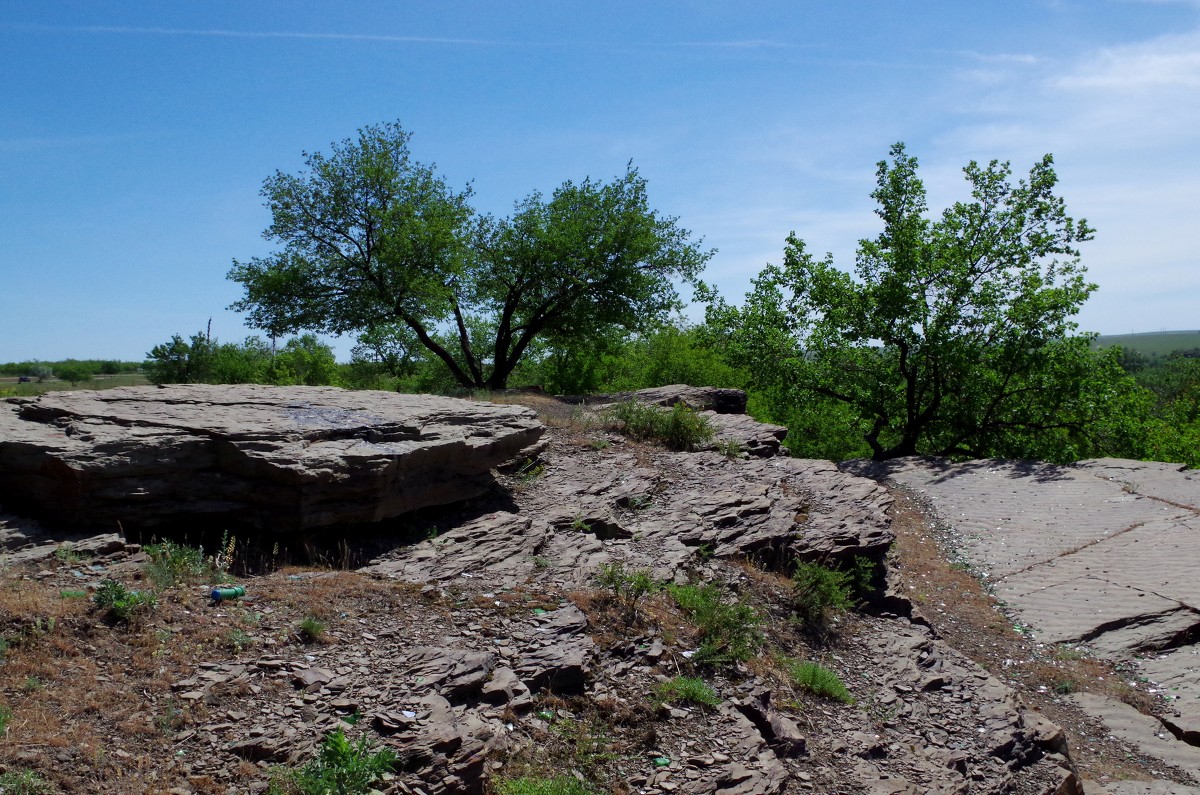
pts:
[1103, 552]
[280, 459]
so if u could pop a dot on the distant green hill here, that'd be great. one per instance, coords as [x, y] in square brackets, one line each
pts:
[1152, 343]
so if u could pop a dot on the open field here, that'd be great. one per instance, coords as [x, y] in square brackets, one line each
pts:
[1153, 343]
[9, 385]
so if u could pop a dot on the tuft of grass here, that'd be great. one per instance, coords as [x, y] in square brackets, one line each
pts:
[817, 680]
[686, 690]
[6, 714]
[730, 630]
[1065, 687]
[532, 785]
[679, 428]
[730, 448]
[341, 768]
[72, 594]
[312, 630]
[817, 592]
[23, 782]
[122, 604]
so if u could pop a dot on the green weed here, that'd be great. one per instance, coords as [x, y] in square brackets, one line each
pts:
[237, 639]
[730, 448]
[6, 714]
[23, 782]
[311, 630]
[174, 564]
[629, 587]
[341, 768]
[680, 428]
[686, 690]
[66, 553]
[817, 680]
[559, 785]
[122, 604]
[817, 592]
[72, 594]
[730, 630]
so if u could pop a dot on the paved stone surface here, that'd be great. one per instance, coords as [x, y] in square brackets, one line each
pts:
[280, 459]
[1102, 553]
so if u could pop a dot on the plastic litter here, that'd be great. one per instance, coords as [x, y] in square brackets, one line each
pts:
[219, 594]
[661, 761]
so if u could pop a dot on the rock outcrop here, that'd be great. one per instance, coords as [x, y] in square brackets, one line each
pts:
[279, 459]
[1102, 553]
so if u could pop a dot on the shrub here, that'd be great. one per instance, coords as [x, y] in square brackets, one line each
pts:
[687, 690]
[122, 604]
[817, 680]
[730, 631]
[559, 785]
[629, 587]
[817, 591]
[680, 428]
[341, 768]
[174, 564]
[23, 782]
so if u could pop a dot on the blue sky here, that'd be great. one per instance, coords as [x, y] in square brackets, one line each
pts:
[134, 136]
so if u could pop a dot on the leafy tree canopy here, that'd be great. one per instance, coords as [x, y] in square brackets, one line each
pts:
[953, 336]
[375, 244]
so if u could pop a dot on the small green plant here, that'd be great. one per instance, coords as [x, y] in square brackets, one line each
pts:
[171, 719]
[629, 587]
[31, 684]
[730, 630]
[1065, 687]
[530, 470]
[730, 448]
[66, 553]
[72, 594]
[532, 785]
[6, 714]
[686, 690]
[817, 592]
[579, 525]
[236, 640]
[311, 630]
[122, 604]
[174, 564]
[540, 562]
[599, 444]
[680, 428]
[341, 768]
[817, 680]
[23, 782]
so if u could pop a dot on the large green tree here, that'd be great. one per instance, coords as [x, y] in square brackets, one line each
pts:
[954, 336]
[373, 243]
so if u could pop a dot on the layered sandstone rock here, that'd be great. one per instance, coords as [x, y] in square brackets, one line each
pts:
[275, 458]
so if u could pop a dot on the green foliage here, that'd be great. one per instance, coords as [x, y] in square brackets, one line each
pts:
[954, 339]
[558, 785]
[72, 594]
[686, 690]
[679, 427]
[203, 360]
[23, 782]
[312, 630]
[730, 631]
[73, 373]
[66, 553]
[341, 768]
[122, 604]
[6, 714]
[173, 564]
[818, 591]
[817, 680]
[374, 243]
[628, 587]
